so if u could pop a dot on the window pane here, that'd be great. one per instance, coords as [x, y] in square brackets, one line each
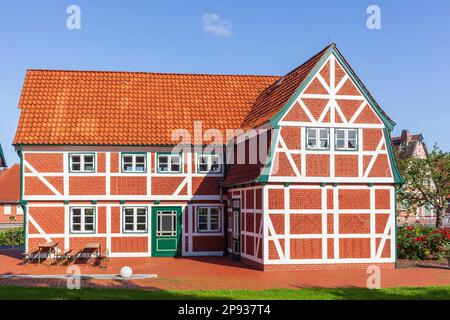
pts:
[76, 227]
[166, 223]
[89, 219]
[214, 226]
[311, 133]
[175, 167]
[89, 227]
[89, 159]
[176, 159]
[129, 227]
[215, 212]
[128, 159]
[340, 134]
[127, 167]
[76, 167]
[340, 144]
[76, 158]
[323, 143]
[203, 159]
[163, 159]
[88, 167]
[89, 212]
[202, 227]
[311, 143]
[163, 167]
[141, 211]
[352, 144]
[141, 219]
[141, 227]
[128, 211]
[129, 219]
[203, 168]
[76, 211]
[324, 133]
[140, 159]
[76, 219]
[352, 134]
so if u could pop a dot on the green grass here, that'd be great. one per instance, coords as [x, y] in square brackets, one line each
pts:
[410, 293]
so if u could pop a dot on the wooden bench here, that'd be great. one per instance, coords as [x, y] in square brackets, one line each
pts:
[103, 257]
[30, 255]
[62, 255]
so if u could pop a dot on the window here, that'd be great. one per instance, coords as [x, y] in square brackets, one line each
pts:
[7, 209]
[208, 219]
[166, 223]
[135, 219]
[170, 163]
[318, 138]
[209, 163]
[82, 220]
[346, 139]
[82, 163]
[19, 210]
[134, 162]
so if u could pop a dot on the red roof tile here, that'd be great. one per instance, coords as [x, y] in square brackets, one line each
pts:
[10, 185]
[130, 108]
[273, 99]
[138, 108]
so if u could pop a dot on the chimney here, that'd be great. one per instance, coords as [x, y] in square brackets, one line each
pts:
[405, 137]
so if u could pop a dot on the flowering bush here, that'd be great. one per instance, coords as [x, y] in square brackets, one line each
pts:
[11, 237]
[421, 242]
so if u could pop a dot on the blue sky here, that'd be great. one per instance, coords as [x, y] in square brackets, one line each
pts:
[405, 64]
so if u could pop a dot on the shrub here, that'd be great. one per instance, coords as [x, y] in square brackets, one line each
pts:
[421, 242]
[12, 237]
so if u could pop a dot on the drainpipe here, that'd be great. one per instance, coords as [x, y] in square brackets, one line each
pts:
[397, 189]
[22, 202]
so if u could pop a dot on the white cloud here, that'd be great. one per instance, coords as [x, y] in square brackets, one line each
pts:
[215, 25]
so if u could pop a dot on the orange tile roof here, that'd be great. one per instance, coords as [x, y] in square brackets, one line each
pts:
[130, 108]
[138, 108]
[273, 99]
[10, 185]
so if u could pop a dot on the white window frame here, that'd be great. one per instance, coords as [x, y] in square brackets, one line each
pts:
[133, 162]
[19, 210]
[169, 156]
[7, 210]
[208, 220]
[83, 221]
[209, 163]
[346, 139]
[135, 223]
[317, 138]
[82, 162]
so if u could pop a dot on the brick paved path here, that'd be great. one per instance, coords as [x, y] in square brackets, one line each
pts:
[215, 273]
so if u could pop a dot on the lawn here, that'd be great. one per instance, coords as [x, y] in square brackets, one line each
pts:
[410, 293]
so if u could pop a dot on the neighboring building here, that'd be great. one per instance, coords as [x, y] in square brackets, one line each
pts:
[408, 146]
[97, 150]
[11, 213]
[2, 159]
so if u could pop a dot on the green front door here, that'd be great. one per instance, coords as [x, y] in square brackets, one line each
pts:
[166, 231]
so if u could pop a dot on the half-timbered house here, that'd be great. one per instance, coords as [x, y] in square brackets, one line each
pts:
[124, 158]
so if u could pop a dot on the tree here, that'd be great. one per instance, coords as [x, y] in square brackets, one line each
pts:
[427, 182]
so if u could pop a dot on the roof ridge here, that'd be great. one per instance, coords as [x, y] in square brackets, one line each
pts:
[156, 73]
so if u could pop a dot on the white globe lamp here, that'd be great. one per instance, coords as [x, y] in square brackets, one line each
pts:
[126, 272]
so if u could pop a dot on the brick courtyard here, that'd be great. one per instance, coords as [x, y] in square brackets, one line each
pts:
[213, 273]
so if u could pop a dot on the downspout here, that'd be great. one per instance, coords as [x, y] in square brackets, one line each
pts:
[397, 189]
[22, 202]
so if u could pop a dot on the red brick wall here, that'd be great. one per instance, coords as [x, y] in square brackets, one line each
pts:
[45, 162]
